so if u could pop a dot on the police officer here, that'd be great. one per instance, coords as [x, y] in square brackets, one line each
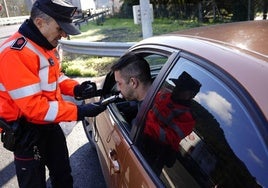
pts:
[31, 88]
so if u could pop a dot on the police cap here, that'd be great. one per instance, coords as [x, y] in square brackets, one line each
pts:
[62, 11]
[185, 82]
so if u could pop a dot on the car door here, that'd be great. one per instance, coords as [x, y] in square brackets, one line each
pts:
[120, 165]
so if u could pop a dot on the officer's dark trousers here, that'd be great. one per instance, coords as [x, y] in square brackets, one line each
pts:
[42, 146]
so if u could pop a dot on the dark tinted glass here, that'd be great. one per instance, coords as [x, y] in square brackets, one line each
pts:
[225, 148]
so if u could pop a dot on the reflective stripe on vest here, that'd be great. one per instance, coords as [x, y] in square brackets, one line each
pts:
[168, 121]
[35, 88]
[24, 91]
[62, 78]
[52, 111]
[8, 44]
[2, 88]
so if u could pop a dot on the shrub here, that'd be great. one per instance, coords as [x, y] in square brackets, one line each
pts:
[86, 66]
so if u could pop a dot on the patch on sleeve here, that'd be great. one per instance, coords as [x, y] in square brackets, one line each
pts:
[19, 43]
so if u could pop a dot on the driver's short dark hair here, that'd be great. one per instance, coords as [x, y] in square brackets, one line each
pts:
[133, 65]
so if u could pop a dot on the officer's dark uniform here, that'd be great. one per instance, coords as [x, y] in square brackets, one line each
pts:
[42, 146]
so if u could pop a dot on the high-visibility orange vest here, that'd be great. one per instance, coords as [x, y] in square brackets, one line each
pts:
[31, 84]
[168, 122]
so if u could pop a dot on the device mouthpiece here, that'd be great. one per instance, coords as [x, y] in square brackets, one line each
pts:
[111, 99]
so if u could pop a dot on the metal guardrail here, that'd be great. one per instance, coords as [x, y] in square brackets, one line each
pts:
[104, 49]
[13, 20]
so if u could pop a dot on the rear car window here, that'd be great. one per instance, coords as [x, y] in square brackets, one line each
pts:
[225, 148]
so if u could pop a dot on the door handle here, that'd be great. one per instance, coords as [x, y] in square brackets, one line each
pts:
[113, 161]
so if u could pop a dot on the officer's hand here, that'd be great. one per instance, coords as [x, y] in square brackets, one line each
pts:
[85, 90]
[89, 110]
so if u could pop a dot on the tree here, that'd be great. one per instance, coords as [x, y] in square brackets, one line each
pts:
[126, 8]
[239, 10]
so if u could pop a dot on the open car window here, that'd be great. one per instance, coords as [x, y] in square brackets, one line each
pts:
[126, 111]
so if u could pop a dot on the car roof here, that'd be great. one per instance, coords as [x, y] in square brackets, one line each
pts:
[247, 35]
[241, 50]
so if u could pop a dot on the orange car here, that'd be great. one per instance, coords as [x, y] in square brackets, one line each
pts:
[228, 146]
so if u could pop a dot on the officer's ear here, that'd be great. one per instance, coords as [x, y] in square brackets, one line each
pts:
[39, 22]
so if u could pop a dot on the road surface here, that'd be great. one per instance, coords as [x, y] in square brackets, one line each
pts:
[85, 166]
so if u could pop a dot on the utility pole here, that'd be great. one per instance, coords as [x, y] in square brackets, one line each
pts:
[249, 7]
[146, 20]
[6, 8]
